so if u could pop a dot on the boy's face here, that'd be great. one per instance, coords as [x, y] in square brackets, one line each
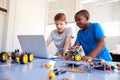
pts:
[81, 21]
[60, 25]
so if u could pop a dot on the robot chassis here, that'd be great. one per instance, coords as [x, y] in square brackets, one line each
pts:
[73, 56]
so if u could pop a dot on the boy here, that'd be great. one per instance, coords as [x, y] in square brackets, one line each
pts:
[61, 36]
[90, 37]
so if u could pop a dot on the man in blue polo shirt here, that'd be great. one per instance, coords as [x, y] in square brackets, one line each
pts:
[90, 37]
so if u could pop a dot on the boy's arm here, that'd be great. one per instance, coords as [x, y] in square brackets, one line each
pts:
[76, 45]
[50, 38]
[67, 43]
[95, 51]
[47, 43]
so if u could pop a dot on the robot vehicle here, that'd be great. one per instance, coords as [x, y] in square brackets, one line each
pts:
[21, 58]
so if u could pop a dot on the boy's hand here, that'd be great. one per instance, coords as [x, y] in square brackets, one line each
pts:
[66, 55]
[87, 58]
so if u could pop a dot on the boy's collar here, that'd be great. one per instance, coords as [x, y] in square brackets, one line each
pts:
[61, 32]
[86, 27]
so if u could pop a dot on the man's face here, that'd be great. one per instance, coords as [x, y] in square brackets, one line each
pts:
[80, 20]
[60, 25]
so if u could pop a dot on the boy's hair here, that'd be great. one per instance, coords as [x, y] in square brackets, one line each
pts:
[60, 16]
[84, 13]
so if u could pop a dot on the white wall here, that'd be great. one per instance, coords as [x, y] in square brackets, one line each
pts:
[2, 19]
[24, 17]
[107, 14]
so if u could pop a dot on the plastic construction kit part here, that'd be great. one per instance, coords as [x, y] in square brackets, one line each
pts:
[65, 78]
[119, 68]
[23, 58]
[47, 66]
[99, 68]
[108, 68]
[4, 57]
[73, 54]
[118, 65]
[59, 72]
[77, 57]
[75, 70]
[30, 57]
[51, 74]
[112, 67]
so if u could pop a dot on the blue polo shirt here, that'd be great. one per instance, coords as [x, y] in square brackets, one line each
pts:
[88, 40]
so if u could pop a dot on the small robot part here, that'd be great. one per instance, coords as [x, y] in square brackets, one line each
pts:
[4, 57]
[73, 54]
[99, 64]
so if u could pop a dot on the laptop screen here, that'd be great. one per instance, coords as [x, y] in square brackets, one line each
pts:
[33, 44]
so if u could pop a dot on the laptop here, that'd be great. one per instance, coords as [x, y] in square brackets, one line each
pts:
[34, 44]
